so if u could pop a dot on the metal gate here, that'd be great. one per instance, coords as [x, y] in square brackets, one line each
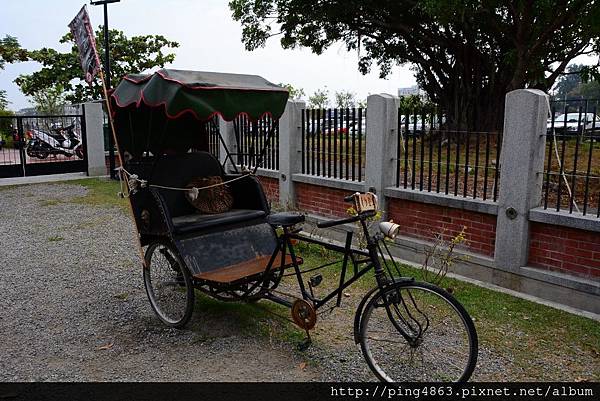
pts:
[40, 145]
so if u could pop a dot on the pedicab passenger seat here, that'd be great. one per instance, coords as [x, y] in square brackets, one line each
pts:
[250, 203]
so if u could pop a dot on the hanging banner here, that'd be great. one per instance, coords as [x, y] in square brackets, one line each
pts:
[82, 31]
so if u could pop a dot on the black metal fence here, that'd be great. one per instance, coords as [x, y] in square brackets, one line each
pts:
[36, 145]
[257, 142]
[334, 143]
[572, 166]
[214, 144]
[432, 158]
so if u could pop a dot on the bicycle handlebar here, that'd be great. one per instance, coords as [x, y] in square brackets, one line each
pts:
[338, 222]
[352, 219]
[349, 198]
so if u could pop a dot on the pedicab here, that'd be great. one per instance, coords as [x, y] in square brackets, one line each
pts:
[206, 225]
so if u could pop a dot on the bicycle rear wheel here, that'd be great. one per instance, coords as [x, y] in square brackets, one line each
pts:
[418, 332]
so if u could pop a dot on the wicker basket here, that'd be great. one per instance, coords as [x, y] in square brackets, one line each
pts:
[213, 200]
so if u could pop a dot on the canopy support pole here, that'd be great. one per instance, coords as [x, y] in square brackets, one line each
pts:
[227, 152]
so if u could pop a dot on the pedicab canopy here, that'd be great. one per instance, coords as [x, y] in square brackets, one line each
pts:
[170, 109]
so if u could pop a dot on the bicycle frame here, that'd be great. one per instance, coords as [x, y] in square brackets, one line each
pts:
[370, 258]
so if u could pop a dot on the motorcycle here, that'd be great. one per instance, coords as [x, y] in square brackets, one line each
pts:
[59, 141]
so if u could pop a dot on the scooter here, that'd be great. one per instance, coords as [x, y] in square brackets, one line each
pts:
[59, 141]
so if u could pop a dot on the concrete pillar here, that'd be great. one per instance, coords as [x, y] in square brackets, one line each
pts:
[521, 164]
[382, 137]
[94, 128]
[290, 150]
[228, 135]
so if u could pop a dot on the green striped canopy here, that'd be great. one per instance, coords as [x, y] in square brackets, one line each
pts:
[202, 94]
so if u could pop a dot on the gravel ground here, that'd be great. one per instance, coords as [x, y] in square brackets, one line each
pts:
[74, 307]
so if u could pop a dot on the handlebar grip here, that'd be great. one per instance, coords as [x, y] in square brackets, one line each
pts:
[338, 222]
[349, 198]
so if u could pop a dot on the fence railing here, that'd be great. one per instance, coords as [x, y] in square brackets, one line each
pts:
[334, 143]
[435, 159]
[572, 167]
[214, 144]
[257, 142]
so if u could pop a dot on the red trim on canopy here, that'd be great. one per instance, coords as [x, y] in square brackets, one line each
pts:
[184, 111]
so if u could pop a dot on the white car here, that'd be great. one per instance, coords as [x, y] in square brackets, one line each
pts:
[574, 122]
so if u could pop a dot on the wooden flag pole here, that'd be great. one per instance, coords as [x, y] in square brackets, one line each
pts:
[82, 31]
[114, 135]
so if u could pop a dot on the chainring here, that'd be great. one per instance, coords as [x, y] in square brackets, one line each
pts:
[304, 314]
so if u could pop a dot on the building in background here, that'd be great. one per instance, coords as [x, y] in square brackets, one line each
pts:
[412, 90]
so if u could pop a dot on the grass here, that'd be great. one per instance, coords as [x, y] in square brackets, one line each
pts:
[101, 192]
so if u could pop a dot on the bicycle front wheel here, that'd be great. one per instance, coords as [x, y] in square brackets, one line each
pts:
[418, 332]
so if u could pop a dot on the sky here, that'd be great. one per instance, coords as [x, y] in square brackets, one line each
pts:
[209, 39]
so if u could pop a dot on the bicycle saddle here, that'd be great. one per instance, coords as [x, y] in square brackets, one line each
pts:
[285, 219]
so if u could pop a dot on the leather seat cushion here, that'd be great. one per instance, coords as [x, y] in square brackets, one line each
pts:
[194, 222]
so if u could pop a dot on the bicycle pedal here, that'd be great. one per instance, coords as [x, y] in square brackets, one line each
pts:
[316, 280]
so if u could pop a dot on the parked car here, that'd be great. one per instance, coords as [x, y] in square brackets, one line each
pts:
[572, 123]
[415, 122]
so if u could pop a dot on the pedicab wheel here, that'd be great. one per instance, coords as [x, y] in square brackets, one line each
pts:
[418, 332]
[168, 285]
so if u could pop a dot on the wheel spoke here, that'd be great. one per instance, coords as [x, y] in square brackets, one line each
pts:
[168, 285]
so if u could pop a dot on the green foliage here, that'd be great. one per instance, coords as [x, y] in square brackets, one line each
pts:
[345, 99]
[295, 93]
[11, 51]
[588, 90]
[577, 83]
[49, 101]
[3, 100]
[319, 99]
[128, 55]
[412, 103]
[466, 55]
[568, 82]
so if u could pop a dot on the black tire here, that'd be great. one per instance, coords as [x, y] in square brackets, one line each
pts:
[168, 285]
[79, 152]
[442, 345]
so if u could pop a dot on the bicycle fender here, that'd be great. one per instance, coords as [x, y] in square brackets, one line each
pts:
[367, 297]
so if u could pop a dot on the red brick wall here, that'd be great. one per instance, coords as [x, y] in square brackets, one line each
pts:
[323, 201]
[271, 187]
[423, 220]
[565, 249]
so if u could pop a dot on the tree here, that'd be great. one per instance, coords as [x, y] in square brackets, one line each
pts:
[3, 100]
[295, 93]
[344, 99]
[587, 90]
[10, 52]
[414, 103]
[319, 99]
[128, 55]
[49, 101]
[466, 54]
[569, 81]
